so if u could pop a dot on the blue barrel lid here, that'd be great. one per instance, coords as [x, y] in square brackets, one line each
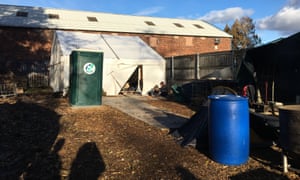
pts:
[228, 97]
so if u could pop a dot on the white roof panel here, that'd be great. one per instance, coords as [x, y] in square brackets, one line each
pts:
[128, 47]
[114, 47]
[70, 41]
[78, 20]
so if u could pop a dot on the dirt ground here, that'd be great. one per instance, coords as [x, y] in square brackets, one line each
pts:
[42, 137]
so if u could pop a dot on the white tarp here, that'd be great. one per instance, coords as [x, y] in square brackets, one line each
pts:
[122, 55]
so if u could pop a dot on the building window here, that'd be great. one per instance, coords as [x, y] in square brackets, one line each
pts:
[53, 16]
[22, 14]
[189, 41]
[150, 23]
[198, 26]
[153, 42]
[178, 25]
[92, 19]
[217, 41]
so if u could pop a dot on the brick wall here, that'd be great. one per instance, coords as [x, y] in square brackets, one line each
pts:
[22, 44]
[23, 51]
[35, 44]
[170, 45]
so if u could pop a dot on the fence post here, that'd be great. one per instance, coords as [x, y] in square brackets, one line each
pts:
[172, 69]
[197, 67]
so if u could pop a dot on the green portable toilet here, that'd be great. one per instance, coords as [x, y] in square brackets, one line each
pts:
[86, 78]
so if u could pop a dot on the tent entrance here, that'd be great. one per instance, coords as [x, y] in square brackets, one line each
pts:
[134, 85]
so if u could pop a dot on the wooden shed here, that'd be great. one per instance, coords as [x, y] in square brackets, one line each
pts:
[277, 69]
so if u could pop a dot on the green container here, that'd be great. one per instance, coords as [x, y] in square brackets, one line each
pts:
[86, 78]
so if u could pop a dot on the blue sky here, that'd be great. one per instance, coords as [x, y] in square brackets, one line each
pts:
[273, 18]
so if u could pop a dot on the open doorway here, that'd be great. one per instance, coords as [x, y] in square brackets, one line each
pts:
[134, 85]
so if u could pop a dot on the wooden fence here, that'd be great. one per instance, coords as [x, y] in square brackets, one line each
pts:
[183, 69]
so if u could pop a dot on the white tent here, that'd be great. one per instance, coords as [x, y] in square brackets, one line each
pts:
[122, 56]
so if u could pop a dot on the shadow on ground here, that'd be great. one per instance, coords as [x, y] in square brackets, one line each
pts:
[259, 173]
[28, 133]
[88, 163]
[273, 157]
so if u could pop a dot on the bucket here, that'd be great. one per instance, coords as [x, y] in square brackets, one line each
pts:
[297, 99]
[289, 118]
[228, 128]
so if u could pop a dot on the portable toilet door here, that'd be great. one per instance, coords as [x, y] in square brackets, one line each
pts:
[86, 78]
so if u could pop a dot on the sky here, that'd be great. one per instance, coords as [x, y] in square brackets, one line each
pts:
[273, 18]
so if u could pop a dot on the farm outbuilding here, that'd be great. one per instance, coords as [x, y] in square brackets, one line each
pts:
[127, 61]
[28, 33]
[277, 69]
[168, 36]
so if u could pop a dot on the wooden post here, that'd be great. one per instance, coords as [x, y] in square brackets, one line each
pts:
[197, 67]
[266, 92]
[172, 69]
[284, 161]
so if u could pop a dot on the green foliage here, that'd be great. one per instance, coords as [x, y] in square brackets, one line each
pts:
[243, 32]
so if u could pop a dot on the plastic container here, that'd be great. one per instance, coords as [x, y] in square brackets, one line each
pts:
[228, 128]
[86, 78]
[289, 118]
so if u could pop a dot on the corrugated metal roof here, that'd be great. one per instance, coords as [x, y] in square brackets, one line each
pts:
[36, 17]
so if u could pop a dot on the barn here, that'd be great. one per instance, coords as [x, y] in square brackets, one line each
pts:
[29, 33]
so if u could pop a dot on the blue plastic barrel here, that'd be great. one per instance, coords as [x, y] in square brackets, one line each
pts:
[228, 128]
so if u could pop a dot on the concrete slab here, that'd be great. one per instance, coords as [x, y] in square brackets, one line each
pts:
[136, 107]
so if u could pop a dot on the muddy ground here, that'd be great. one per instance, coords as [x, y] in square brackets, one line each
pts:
[42, 137]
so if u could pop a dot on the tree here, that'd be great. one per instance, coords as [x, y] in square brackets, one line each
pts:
[243, 32]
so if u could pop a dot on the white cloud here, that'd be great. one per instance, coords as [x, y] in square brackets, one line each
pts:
[285, 20]
[149, 11]
[227, 15]
[294, 3]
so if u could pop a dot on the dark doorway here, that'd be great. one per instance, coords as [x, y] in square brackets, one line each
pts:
[134, 85]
